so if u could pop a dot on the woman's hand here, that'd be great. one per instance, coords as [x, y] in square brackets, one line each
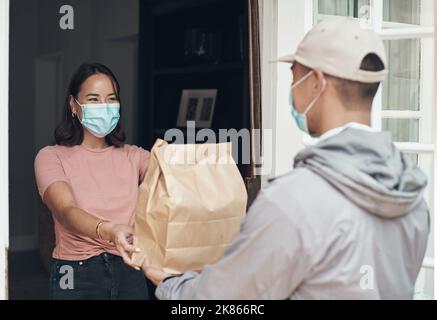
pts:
[121, 235]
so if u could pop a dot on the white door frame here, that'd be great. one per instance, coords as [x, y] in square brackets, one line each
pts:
[435, 142]
[277, 40]
[4, 146]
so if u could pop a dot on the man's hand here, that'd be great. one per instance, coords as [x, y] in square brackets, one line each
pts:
[156, 275]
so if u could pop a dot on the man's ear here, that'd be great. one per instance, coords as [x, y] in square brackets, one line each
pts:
[320, 84]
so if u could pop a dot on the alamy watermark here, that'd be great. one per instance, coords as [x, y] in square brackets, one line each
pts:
[367, 279]
[66, 281]
[66, 22]
[249, 147]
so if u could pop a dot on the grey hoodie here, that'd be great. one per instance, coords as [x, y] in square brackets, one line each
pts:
[349, 222]
[369, 170]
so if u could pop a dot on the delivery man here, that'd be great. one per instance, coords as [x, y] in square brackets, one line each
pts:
[350, 221]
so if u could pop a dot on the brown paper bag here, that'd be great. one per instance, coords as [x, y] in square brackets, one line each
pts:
[189, 207]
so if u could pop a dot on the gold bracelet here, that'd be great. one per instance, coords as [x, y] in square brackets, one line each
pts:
[98, 229]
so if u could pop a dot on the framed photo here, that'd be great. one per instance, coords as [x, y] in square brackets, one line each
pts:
[198, 106]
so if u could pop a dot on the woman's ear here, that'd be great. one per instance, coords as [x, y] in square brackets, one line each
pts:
[72, 104]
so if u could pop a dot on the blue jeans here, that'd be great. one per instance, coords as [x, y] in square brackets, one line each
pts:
[104, 277]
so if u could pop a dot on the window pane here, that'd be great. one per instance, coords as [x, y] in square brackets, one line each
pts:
[417, 12]
[402, 130]
[401, 90]
[336, 7]
[347, 8]
[414, 157]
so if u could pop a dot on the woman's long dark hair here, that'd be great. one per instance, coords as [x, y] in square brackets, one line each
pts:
[70, 131]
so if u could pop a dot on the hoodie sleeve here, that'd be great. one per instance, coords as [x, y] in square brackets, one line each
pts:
[265, 261]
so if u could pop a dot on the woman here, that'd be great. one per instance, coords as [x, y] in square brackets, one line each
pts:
[89, 181]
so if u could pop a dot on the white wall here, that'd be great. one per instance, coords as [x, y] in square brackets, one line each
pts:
[4, 84]
[281, 33]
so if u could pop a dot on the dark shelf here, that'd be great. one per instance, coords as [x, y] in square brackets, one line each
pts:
[166, 41]
[165, 7]
[162, 131]
[165, 71]
[200, 69]
[160, 134]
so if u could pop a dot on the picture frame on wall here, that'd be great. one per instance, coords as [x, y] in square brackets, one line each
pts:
[198, 106]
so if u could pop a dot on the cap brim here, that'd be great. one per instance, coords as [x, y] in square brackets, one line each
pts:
[285, 59]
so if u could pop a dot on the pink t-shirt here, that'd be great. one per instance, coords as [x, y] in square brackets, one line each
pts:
[104, 183]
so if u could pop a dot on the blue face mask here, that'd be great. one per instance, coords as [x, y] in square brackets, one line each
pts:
[301, 118]
[100, 119]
